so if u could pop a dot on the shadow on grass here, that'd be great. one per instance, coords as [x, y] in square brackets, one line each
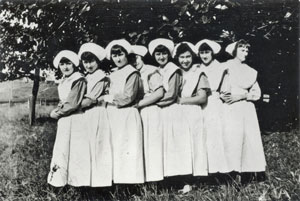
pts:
[233, 178]
[42, 120]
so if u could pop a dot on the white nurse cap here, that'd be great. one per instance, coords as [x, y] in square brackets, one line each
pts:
[72, 56]
[139, 50]
[212, 44]
[161, 41]
[121, 42]
[93, 48]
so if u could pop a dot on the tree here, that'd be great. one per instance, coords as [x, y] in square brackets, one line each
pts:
[29, 38]
[33, 32]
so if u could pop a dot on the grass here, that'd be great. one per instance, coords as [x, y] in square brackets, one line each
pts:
[25, 154]
[19, 89]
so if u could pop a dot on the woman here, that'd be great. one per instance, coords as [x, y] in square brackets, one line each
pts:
[243, 144]
[175, 162]
[95, 116]
[70, 162]
[193, 94]
[153, 137]
[214, 70]
[124, 119]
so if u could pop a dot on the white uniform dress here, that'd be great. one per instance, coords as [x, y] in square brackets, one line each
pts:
[176, 141]
[152, 126]
[192, 115]
[70, 162]
[98, 130]
[213, 119]
[243, 144]
[126, 128]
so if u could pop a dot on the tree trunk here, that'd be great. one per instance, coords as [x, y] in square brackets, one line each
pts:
[35, 90]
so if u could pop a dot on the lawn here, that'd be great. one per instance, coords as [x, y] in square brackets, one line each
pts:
[25, 154]
[21, 90]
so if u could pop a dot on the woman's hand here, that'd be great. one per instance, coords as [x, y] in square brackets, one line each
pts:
[136, 106]
[54, 114]
[229, 98]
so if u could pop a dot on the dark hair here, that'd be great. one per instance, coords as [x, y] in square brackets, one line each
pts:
[162, 49]
[117, 49]
[59, 74]
[204, 47]
[65, 60]
[131, 59]
[88, 56]
[240, 43]
[182, 48]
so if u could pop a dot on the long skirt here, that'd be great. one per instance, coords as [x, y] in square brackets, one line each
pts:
[70, 162]
[192, 115]
[176, 143]
[127, 144]
[153, 143]
[214, 131]
[99, 134]
[243, 143]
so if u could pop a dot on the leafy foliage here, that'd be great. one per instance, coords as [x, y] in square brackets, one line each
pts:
[32, 32]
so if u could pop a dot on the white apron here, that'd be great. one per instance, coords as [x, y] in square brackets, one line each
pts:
[70, 162]
[192, 116]
[127, 139]
[243, 144]
[152, 131]
[98, 132]
[174, 140]
[213, 119]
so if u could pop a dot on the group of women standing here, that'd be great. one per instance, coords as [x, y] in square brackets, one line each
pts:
[141, 123]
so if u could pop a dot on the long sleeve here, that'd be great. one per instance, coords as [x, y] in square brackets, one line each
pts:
[98, 90]
[74, 99]
[254, 93]
[130, 91]
[171, 95]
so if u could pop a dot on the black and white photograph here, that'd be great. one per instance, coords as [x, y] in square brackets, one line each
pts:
[145, 100]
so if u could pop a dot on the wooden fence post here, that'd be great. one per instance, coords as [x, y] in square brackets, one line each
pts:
[30, 111]
[35, 89]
